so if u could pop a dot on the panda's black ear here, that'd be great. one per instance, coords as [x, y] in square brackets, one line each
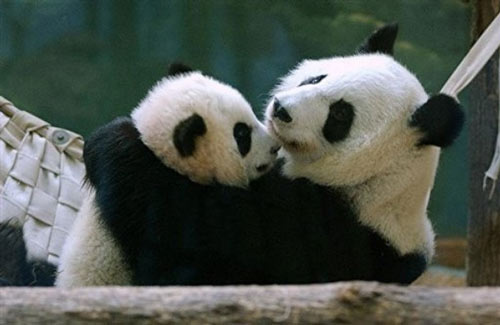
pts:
[186, 133]
[381, 41]
[178, 68]
[440, 119]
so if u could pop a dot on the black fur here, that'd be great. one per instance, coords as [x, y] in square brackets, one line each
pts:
[177, 68]
[313, 80]
[440, 119]
[339, 121]
[176, 232]
[186, 133]
[243, 135]
[381, 41]
[15, 270]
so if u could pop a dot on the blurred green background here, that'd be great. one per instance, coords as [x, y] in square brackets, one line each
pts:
[80, 63]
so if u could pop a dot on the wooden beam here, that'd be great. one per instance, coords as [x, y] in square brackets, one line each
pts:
[351, 303]
[484, 220]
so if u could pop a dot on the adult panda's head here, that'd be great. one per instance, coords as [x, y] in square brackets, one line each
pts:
[204, 129]
[343, 120]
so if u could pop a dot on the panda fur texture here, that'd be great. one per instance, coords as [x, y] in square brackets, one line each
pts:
[147, 175]
[364, 126]
[15, 269]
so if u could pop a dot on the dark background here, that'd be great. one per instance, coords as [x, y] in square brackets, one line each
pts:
[80, 63]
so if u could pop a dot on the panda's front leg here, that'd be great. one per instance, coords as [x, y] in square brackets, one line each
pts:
[91, 257]
[392, 267]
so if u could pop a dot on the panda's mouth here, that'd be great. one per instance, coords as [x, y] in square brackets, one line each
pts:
[291, 145]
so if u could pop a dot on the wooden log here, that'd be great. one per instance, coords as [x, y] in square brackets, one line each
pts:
[483, 254]
[351, 303]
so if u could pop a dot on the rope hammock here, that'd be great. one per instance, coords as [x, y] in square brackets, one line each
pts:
[41, 166]
[470, 66]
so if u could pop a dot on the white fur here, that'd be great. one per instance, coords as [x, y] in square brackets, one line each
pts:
[90, 256]
[216, 156]
[379, 164]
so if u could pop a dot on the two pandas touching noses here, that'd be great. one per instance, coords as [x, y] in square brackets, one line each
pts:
[189, 189]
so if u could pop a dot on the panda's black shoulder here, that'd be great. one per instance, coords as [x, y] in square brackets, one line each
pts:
[124, 172]
[140, 199]
[113, 146]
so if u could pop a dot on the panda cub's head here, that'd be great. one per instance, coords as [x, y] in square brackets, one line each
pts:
[342, 120]
[204, 129]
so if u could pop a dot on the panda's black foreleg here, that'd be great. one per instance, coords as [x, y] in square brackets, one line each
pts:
[394, 268]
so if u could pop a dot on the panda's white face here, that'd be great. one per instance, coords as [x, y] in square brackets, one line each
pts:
[352, 110]
[205, 130]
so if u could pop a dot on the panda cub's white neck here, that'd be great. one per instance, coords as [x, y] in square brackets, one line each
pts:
[394, 202]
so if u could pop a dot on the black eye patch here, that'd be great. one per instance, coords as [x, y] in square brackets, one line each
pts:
[242, 134]
[313, 80]
[339, 121]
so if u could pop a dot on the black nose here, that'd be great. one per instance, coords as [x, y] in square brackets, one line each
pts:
[280, 112]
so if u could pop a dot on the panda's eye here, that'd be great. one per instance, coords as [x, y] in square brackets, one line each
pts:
[312, 80]
[242, 135]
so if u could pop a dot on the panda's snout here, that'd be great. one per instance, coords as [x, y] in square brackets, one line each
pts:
[280, 112]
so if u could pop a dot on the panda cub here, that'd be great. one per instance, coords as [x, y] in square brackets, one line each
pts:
[149, 175]
[363, 127]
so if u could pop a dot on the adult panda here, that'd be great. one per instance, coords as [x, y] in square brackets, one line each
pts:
[149, 175]
[362, 128]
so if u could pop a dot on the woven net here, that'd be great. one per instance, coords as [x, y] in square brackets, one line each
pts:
[41, 172]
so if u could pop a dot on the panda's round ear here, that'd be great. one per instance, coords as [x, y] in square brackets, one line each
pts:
[440, 119]
[177, 68]
[186, 133]
[381, 40]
